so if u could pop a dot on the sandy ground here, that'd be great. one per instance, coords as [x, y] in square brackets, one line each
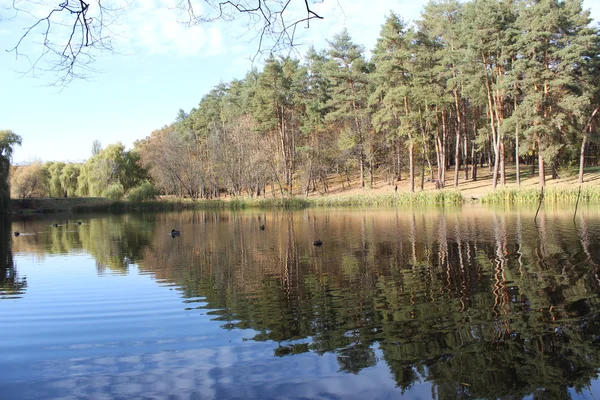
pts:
[469, 188]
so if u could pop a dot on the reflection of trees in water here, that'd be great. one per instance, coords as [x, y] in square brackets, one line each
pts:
[11, 285]
[115, 241]
[482, 310]
[481, 304]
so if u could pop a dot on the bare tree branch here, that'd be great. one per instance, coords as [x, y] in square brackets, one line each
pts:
[73, 32]
[274, 22]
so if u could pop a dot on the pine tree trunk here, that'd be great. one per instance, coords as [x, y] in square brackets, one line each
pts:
[457, 160]
[588, 128]
[582, 159]
[411, 167]
[474, 157]
[399, 162]
[502, 165]
[542, 174]
[444, 145]
[517, 164]
[465, 155]
[423, 174]
[362, 169]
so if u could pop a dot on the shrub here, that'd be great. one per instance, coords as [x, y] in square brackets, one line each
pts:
[114, 191]
[144, 192]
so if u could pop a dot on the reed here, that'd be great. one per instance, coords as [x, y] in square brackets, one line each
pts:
[155, 205]
[590, 194]
[389, 199]
[358, 200]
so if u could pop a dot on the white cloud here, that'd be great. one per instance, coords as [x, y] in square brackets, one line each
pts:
[157, 27]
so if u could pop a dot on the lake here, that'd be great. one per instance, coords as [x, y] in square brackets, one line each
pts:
[420, 303]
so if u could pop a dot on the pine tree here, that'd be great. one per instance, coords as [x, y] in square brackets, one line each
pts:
[554, 47]
[391, 99]
[274, 111]
[347, 70]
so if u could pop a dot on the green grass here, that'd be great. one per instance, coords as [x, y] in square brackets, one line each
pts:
[389, 199]
[590, 194]
[155, 205]
[359, 200]
[551, 195]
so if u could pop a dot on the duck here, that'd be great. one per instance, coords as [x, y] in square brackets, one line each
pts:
[78, 222]
[175, 233]
[262, 227]
[318, 242]
[55, 225]
[16, 233]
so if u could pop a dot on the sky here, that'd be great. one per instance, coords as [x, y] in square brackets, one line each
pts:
[158, 65]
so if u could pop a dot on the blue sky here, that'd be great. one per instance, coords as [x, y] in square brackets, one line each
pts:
[160, 66]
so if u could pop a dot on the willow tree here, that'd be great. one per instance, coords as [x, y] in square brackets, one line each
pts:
[8, 140]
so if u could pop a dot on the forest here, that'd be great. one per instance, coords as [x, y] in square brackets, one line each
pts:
[470, 84]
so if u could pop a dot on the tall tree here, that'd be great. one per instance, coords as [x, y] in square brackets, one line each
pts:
[491, 35]
[392, 99]
[275, 113]
[554, 42]
[347, 71]
[8, 140]
[317, 151]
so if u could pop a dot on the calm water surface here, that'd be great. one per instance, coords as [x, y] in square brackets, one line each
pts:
[408, 303]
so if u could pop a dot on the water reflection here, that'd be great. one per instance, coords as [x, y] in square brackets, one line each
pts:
[12, 286]
[481, 303]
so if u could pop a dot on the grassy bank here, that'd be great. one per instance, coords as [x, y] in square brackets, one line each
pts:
[349, 194]
[356, 200]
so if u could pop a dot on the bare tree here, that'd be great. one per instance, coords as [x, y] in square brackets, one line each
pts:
[273, 22]
[174, 163]
[73, 32]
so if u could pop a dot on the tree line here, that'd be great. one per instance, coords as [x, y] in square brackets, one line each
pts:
[476, 83]
[110, 172]
[481, 82]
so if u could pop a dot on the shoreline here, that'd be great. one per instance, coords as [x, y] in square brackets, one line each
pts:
[342, 193]
[554, 195]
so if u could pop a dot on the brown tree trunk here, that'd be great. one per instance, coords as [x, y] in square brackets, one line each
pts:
[542, 174]
[411, 167]
[517, 164]
[502, 167]
[582, 159]
[588, 128]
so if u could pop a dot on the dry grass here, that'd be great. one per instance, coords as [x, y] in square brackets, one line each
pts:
[469, 189]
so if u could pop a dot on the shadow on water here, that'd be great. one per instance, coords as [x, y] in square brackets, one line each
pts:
[12, 286]
[483, 304]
